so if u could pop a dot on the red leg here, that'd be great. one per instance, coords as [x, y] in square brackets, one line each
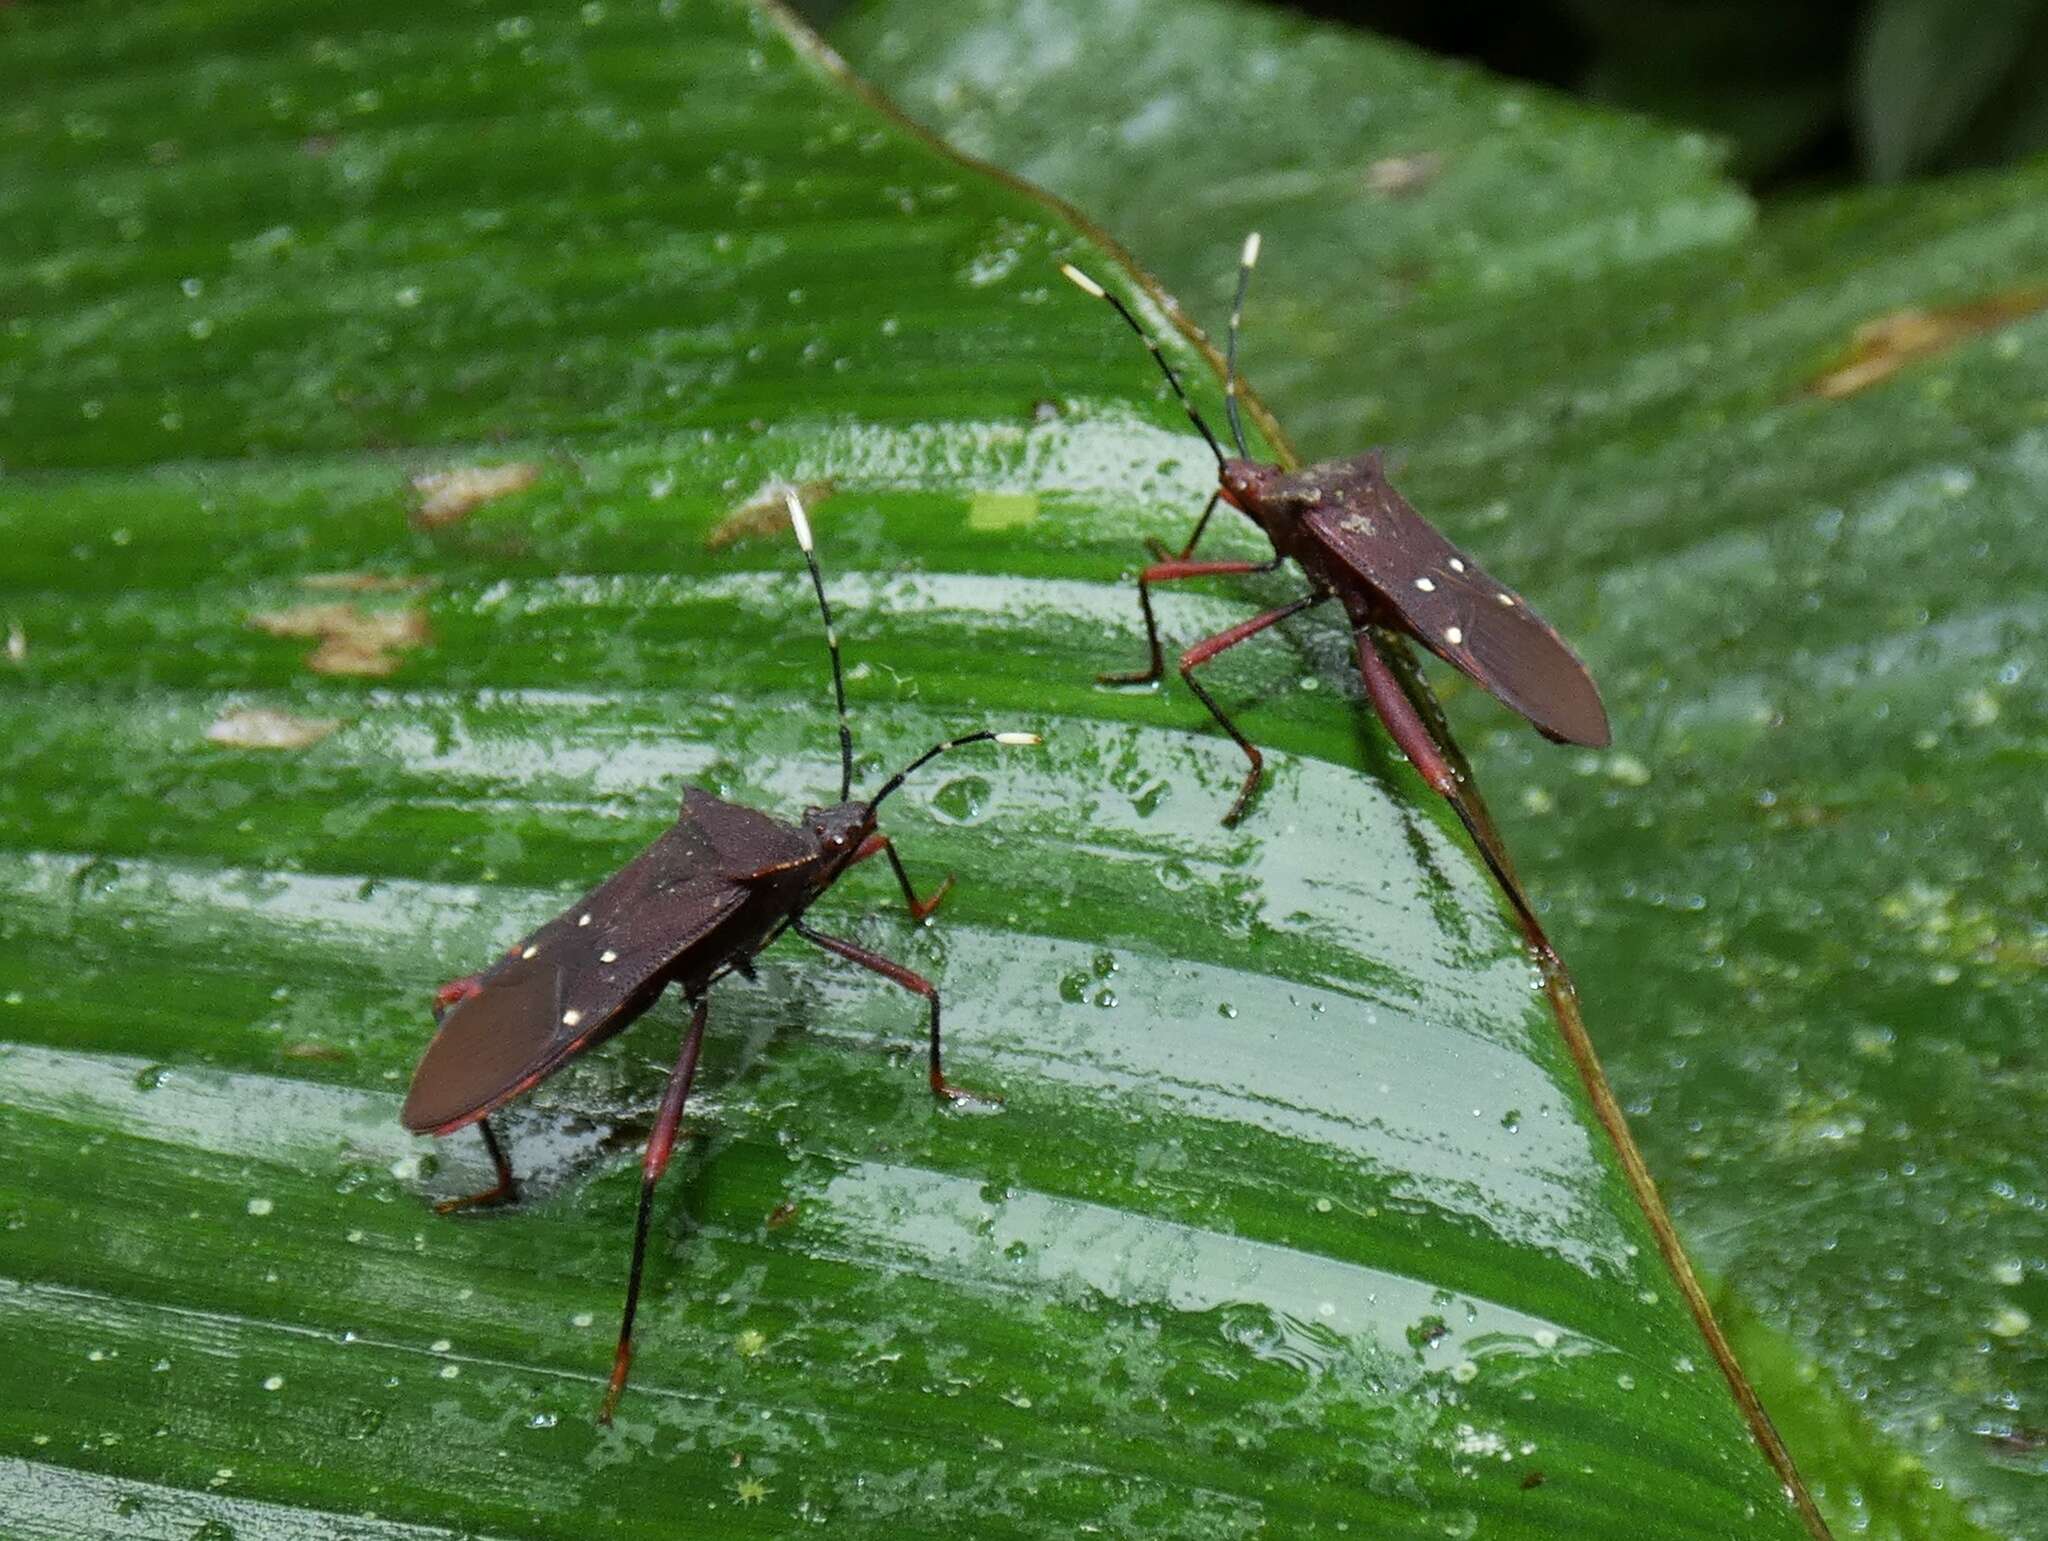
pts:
[920, 909]
[660, 1144]
[854, 953]
[1202, 652]
[506, 1189]
[1173, 572]
[1412, 734]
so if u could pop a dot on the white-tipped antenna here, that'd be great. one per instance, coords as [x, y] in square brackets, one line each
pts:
[1016, 740]
[798, 521]
[1082, 281]
[802, 526]
[1089, 286]
[1245, 264]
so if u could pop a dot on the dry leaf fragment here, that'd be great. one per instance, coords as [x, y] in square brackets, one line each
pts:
[1398, 175]
[364, 583]
[17, 642]
[764, 513]
[446, 497]
[353, 641]
[259, 727]
[1879, 349]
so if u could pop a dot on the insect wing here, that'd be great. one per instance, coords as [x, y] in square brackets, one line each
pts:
[1451, 606]
[583, 975]
[747, 842]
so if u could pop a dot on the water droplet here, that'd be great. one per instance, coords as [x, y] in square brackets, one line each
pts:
[1428, 1332]
[150, 1077]
[1226, 1011]
[963, 799]
[1105, 997]
[1074, 987]
[1511, 1120]
[2010, 1322]
[1149, 797]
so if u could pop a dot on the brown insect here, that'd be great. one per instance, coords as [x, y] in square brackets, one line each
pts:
[698, 904]
[1358, 541]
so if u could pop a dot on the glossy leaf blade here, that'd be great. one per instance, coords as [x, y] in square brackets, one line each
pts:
[1295, 1216]
[1782, 487]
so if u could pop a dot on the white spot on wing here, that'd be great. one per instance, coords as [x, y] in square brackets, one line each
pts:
[531, 952]
[1506, 599]
[1453, 635]
[607, 956]
[1426, 585]
[571, 1017]
[1456, 565]
[583, 920]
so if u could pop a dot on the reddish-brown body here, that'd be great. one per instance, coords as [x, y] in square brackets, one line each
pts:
[714, 889]
[1357, 540]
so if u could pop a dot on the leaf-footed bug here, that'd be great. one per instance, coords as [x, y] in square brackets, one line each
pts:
[700, 903]
[1359, 541]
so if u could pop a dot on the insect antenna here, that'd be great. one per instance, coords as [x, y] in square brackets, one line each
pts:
[1087, 285]
[984, 737]
[1244, 281]
[802, 526]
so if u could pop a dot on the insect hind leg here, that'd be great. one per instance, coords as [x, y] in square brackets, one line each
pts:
[661, 1142]
[504, 1191]
[1411, 734]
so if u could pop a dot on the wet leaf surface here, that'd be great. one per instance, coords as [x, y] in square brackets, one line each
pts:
[1294, 1218]
[1804, 896]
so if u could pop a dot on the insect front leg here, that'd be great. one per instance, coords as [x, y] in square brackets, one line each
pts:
[920, 909]
[1173, 572]
[1411, 734]
[1203, 651]
[853, 952]
[661, 1143]
[504, 1191]
[1163, 553]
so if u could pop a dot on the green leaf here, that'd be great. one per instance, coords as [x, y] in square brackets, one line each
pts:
[1298, 1216]
[1803, 899]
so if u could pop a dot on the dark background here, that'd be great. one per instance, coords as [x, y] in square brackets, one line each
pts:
[1804, 92]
